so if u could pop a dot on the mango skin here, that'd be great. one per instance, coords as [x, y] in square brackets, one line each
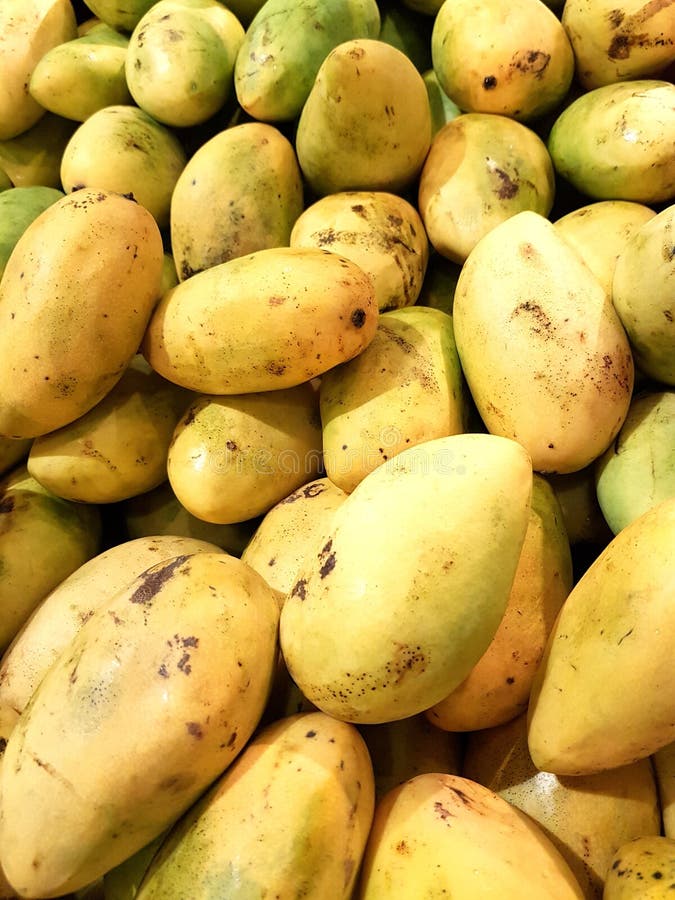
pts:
[603, 695]
[34, 157]
[374, 629]
[122, 16]
[642, 869]
[18, 208]
[290, 328]
[614, 142]
[524, 294]
[159, 703]
[284, 47]
[256, 833]
[85, 274]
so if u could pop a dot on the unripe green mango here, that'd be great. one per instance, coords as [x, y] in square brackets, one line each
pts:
[603, 695]
[234, 174]
[615, 142]
[18, 208]
[79, 77]
[401, 596]
[124, 16]
[644, 296]
[123, 149]
[366, 123]
[285, 45]
[442, 108]
[408, 31]
[638, 470]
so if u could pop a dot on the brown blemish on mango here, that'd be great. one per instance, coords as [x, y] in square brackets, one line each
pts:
[154, 581]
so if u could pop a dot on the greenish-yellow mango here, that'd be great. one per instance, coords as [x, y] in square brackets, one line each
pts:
[442, 108]
[600, 231]
[123, 882]
[123, 16]
[29, 29]
[180, 60]
[619, 41]
[366, 123]
[278, 547]
[643, 293]
[615, 142]
[381, 232]
[405, 388]
[234, 174]
[441, 835]
[8, 719]
[119, 448]
[232, 458]
[167, 681]
[426, 7]
[299, 312]
[284, 47]
[603, 695]
[642, 869]
[18, 207]
[524, 294]
[123, 149]
[43, 539]
[481, 170]
[399, 599]
[638, 470]
[664, 769]
[84, 275]
[513, 60]
[583, 518]
[73, 601]
[34, 157]
[588, 817]
[81, 76]
[256, 833]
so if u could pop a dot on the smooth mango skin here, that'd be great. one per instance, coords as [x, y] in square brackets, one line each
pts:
[523, 73]
[384, 620]
[180, 61]
[79, 77]
[158, 692]
[664, 769]
[644, 296]
[381, 232]
[600, 231]
[160, 512]
[233, 175]
[121, 148]
[34, 157]
[119, 448]
[279, 545]
[587, 817]
[124, 16]
[615, 142]
[232, 458]
[29, 29]
[366, 124]
[481, 170]
[84, 275]
[8, 719]
[65, 609]
[603, 695]
[440, 834]
[405, 388]
[289, 818]
[638, 470]
[284, 47]
[18, 208]
[525, 294]
[618, 42]
[642, 869]
[43, 539]
[273, 319]
[498, 687]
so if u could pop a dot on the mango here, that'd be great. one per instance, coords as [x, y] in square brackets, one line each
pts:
[642, 869]
[123, 17]
[408, 31]
[18, 207]
[13, 452]
[159, 691]
[284, 47]
[34, 157]
[524, 294]
[290, 328]
[481, 170]
[123, 882]
[582, 516]
[401, 596]
[603, 695]
[84, 275]
[366, 123]
[442, 108]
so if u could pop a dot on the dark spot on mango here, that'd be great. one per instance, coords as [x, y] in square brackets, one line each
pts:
[190, 416]
[153, 581]
[276, 301]
[507, 187]
[184, 664]
[358, 317]
[616, 17]
[299, 589]
[310, 734]
[233, 738]
[195, 729]
[441, 810]
[163, 671]
[327, 566]
[3, 745]
[620, 47]
[489, 82]
[231, 445]
[510, 679]
[360, 210]
[275, 368]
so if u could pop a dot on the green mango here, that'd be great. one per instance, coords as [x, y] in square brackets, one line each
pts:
[443, 109]
[34, 157]
[18, 207]
[408, 31]
[122, 14]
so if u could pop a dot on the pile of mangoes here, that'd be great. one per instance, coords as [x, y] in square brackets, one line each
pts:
[337, 449]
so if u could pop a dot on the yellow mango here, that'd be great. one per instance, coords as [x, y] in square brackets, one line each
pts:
[269, 320]
[642, 869]
[84, 276]
[158, 692]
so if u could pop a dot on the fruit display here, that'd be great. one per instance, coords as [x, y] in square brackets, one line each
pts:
[337, 450]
